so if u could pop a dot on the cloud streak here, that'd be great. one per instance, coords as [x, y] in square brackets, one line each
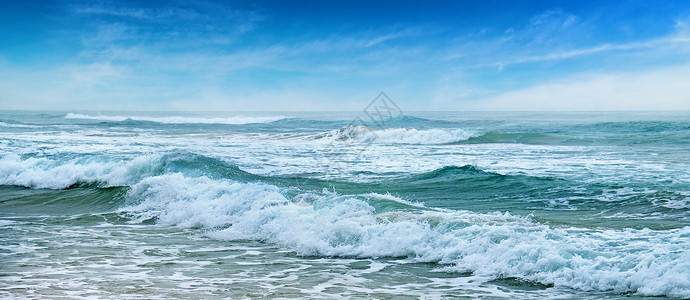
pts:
[176, 56]
[678, 41]
[659, 89]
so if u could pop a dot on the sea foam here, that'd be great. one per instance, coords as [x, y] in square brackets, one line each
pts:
[54, 174]
[488, 245]
[492, 245]
[434, 136]
[4, 124]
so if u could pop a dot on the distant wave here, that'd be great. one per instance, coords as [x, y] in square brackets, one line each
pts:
[239, 120]
[434, 136]
[44, 173]
[4, 124]
[491, 137]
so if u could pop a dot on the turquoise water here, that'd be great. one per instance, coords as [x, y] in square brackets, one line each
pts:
[323, 205]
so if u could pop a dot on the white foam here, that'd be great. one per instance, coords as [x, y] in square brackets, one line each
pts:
[53, 174]
[238, 120]
[492, 246]
[4, 223]
[390, 197]
[282, 154]
[3, 124]
[434, 136]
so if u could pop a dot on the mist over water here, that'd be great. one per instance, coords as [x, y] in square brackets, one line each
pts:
[504, 205]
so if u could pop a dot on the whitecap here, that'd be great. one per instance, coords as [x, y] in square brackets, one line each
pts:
[433, 136]
[491, 246]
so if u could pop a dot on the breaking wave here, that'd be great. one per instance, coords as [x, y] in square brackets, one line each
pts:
[365, 134]
[16, 125]
[193, 191]
[492, 245]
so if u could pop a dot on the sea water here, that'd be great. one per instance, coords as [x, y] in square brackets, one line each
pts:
[324, 205]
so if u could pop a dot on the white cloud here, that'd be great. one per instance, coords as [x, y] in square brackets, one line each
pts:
[68, 86]
[278, 99]
[660, 89]
[657, 44]
[123, 61]
[554, 36]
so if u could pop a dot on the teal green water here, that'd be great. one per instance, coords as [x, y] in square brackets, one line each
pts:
[216, 205]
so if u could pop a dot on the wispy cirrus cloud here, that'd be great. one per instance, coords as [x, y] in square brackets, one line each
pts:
[190, 24]
[200, 11]
[520, 52]
[184, 52]
[553, 36]
[103, 9]
[553, 26]
[679, 42]
[362, 50]
[116, 40]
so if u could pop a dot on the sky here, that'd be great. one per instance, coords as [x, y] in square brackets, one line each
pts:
[338, 55]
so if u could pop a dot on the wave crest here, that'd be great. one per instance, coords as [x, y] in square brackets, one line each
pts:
[492, 245]
[230, 204]
[434, 136]
[44, 173]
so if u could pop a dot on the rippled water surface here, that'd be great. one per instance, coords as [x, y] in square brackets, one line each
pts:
[287, 205]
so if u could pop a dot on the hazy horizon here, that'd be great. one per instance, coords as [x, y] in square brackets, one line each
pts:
[344, 111]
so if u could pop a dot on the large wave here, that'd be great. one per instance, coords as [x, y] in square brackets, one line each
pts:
[489, 246]
[238, 120]
[229, 204]
[45, 173]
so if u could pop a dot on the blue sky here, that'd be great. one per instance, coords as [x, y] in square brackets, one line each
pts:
[327, 55]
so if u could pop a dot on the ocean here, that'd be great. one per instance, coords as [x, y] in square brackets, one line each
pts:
[491, 205]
